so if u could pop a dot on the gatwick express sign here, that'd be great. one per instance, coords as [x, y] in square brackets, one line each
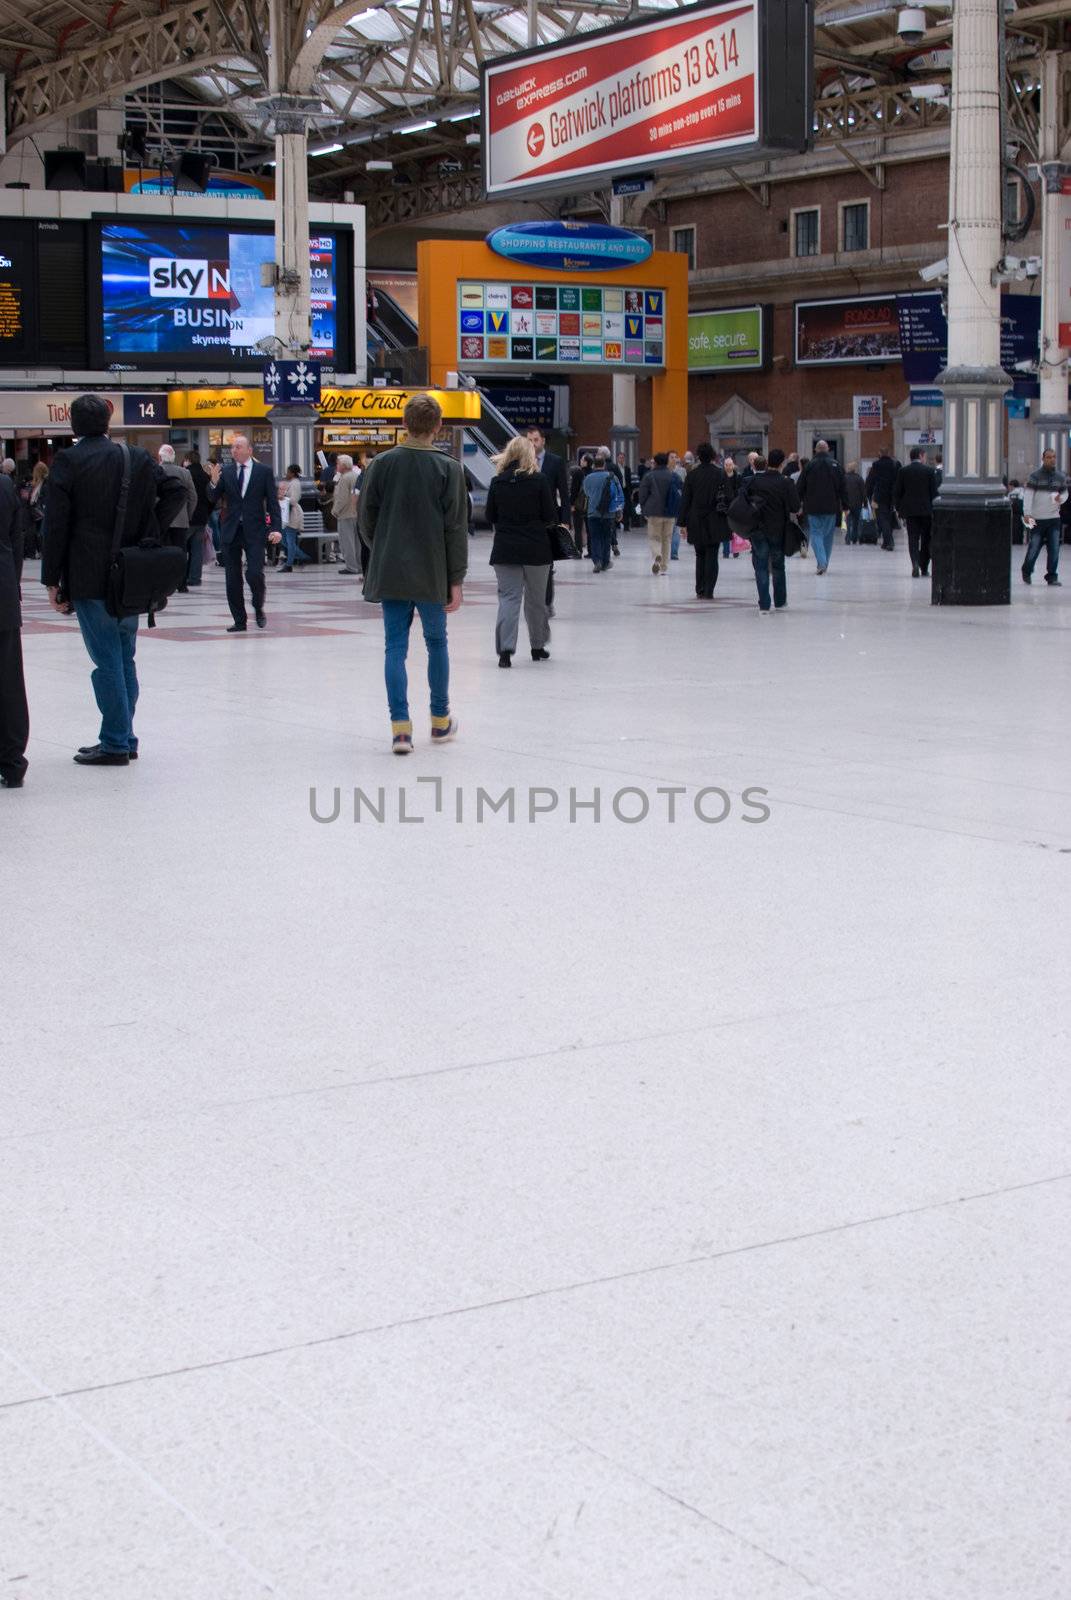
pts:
[711, 84]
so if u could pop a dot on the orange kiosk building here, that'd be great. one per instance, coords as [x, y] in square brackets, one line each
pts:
[446, 268]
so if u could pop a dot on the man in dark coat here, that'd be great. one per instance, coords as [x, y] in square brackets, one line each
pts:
[914, 493]
[83, 497]
[821, 492]
[777, 502]
[704, 488]
[14, 712]
[248, 490]
[880, 489]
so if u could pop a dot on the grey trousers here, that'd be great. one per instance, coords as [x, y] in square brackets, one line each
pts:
[513, 583]
[347, 538]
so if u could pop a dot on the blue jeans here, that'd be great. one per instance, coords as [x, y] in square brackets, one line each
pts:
[820, 530]
[1048, 534]
[675, 543]
[600, 530]
[854, 518]
[767, 558]
[397, 621]
[111, 642]
[294, 552]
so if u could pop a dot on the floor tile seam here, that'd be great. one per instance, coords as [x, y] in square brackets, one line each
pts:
[663, 1036]
[425, 1318]
[136, 1469]
[694, 1510]
[413, 1496]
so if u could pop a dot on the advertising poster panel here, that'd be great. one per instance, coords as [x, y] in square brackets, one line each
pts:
[724, 341]
[713, 82]
[838, 332]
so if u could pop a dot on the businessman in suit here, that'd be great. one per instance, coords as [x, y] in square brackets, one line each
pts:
[247, 489]
[556, 473]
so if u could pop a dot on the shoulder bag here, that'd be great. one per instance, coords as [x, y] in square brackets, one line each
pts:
[142, 576]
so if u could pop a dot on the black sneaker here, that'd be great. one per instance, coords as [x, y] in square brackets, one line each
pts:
[1026, 575]
[505, 658]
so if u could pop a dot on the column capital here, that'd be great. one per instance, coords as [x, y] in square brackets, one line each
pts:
[283, 114]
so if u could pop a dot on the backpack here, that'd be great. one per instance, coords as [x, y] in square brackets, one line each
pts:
[744, 516]
[605, 497]
[673, 497]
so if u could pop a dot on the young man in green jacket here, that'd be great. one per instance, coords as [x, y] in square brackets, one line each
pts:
[414, 517]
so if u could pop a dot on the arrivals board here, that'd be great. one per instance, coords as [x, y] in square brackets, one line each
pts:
[560, 325]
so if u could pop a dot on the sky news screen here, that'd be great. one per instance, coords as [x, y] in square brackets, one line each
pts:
[176, 294]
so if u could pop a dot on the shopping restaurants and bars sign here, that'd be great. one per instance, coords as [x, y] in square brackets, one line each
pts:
[710, 84]
[560, 324]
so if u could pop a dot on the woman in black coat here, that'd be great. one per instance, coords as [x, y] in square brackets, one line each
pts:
[701, 519]
[520, 508]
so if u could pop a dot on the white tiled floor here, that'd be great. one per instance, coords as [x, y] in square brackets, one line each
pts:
[590, 1211]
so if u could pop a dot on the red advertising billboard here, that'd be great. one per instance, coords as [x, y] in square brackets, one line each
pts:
[715, 82]
[838, 332]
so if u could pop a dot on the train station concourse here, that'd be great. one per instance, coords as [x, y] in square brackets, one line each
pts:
[534, 779]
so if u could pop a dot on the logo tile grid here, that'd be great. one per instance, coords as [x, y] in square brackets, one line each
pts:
[551, 323]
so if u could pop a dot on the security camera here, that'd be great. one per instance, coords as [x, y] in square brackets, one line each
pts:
[270, 346]
[911, 24]
[935, 271]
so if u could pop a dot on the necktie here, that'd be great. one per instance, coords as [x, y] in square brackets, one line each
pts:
[241, 480]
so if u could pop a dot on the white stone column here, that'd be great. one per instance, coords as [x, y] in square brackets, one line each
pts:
[1052, 410]
[623, 431]
[972, 521]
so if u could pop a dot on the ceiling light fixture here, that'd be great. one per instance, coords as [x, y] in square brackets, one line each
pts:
[326, 150]
[417, 127]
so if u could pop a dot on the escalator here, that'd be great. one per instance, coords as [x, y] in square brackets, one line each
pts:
[392, 329]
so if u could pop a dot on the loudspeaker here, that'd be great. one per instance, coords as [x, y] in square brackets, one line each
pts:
[65, 169]
[103, 177]
[192, 171]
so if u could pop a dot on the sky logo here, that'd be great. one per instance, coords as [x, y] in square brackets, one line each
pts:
[172, 279]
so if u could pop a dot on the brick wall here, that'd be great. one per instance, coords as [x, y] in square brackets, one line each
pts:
[733, 229]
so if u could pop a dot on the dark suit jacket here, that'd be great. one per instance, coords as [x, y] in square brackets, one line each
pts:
[556, 473]
[915, 490]
[881, 481]
[247, 516]
[10, 556]
[83, 493]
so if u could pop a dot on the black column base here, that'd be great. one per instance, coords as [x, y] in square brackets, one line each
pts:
[971, 545]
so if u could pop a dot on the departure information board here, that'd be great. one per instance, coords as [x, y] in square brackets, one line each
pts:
[16, 277]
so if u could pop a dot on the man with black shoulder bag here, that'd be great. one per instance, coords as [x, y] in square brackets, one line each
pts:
[105, 560]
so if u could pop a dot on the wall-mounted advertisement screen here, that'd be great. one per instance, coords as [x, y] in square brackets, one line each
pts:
[727, 341]
[840, 332]
[707, 84]
[174, 294]
[560, 325]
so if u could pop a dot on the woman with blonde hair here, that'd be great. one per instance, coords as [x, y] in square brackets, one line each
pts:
[520, 509]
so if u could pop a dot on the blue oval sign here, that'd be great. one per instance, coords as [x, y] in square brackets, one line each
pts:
[570, 246]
